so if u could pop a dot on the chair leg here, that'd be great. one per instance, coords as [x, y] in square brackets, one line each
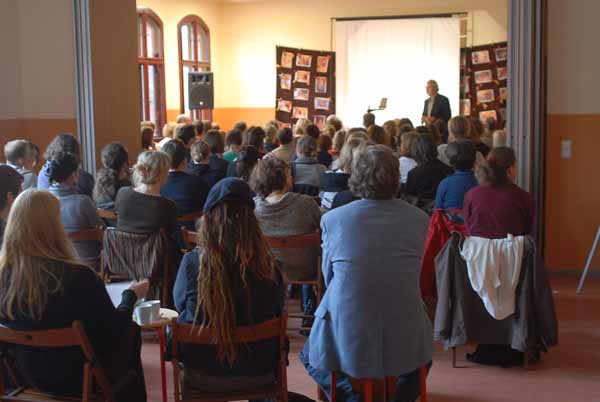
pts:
[454, 357]
[369, 390]
[424, 384]
[332, 387]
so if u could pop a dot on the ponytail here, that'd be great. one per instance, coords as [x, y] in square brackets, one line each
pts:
[494, 171]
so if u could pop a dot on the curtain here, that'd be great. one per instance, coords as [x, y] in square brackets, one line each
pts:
[394, 59]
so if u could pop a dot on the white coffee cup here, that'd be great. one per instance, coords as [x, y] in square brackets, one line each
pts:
[155, 312]
[143, 314]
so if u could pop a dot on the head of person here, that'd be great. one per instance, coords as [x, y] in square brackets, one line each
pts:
[405, 121]
[339, 139]
[406, 140]
[312, 130]
[19, 153]
[148, 123]
[270, 132]
[207, 125]
[34, 236]
[349, 151]
[240, 125]
[269, 176]
[476, 130]
[10, 187]
[461, 155]
[115, 167]
[459, 128]
[390, 128]
[255, 136]
[168, 130]
[300, 126]
[199, 124]
[147, 134]
[151, 169]
[200, 152]
[306, 147]
[285, 136]
[63, 143]
[334, 121]
[329, 130]
[368, 120]
[233, 139]
[376, 134]
[324, 143]
[499, 168]
[357, 133]
[176, 152]
[499, 139]
[35, 155]
[183, 119]
[423, 149]
[246, 161]
[215, 140]
[490, 125]
[186, 133]
[432, 88]
[63, 169]
[375, 173]
[435, 133]
[229, 219]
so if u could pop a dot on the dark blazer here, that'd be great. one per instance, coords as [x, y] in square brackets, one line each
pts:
[188, 191]
[423, 180]
[441, 108]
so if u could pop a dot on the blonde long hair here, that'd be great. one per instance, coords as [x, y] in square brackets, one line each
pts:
[34, 238]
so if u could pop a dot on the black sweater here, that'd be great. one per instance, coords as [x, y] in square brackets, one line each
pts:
[82, 297]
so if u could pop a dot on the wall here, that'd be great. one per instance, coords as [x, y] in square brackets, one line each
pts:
[38, 74]
[572, 193]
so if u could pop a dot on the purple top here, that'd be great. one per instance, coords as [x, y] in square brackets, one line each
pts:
[495, 211]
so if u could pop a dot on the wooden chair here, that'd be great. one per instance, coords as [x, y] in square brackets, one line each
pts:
[189, 238]
[106, 214]
[389, 386]
[307, 241]
[191, 217]
[55, 338]
[187, 333]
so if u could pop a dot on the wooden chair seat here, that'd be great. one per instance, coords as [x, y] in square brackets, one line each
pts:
[32, 395]
[266, 392]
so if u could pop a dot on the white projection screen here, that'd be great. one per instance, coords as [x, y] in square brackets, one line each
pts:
[394, 59]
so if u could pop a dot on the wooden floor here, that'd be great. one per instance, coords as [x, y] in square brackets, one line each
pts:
[570, 372]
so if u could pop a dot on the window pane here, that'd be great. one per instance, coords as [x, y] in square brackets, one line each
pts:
[144, 92]
[186, 70]
[203, 46]
[153, 39]
[140, 37]
[155, 95]
[186, 51]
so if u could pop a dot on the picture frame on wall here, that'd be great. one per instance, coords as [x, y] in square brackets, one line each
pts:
[321, 85]
[287, 60]
[486, 114]
[483, 77]
[323, 64]
[284, 106]
[285, 81]
[501, 54]
[300, 112]
[502, 73]
[321, 103]
[302, 77]
[301, 94]
[304, 60]
[320, 121]
[465, 107]
[486, 96]
[480, 57]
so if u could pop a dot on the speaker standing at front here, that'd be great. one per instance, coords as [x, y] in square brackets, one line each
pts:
[201, 90]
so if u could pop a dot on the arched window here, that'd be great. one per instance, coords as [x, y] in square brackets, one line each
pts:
[194, 55]
[151, 67]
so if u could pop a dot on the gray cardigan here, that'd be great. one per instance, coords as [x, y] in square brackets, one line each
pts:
[295, 214]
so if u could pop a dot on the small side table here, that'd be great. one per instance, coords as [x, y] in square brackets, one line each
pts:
[166, 316]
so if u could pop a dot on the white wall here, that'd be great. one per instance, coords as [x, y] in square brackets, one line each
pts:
[10, 93]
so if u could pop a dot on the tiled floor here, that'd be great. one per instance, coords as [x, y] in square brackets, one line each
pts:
[570, 372]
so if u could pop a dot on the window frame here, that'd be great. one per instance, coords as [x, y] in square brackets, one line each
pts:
[145, 62]
[196, 64]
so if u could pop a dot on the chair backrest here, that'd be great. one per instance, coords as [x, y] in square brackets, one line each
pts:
[96, 234]
[106, 214]
[190, 238]
[191, 217]
[301, 241]
[73, 336]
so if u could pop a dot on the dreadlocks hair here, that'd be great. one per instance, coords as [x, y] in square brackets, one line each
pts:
[232, 245]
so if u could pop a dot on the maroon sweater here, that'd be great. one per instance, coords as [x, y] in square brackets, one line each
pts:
[495, 211]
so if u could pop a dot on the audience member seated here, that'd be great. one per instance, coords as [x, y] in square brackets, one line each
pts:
[360, 329]
[241, 125]
[220, 288]
[336, 122]
[324, 146]
[214, 139]
[285, 150]
[423, 180]
[301, 126]
[493, 210]
[147, 138]
[282, 213]
[489, 128]
[271, 136]
[200, 133]
[200, 164]
[244, 164]
[113, 175]
[77, 211]
[186, 133]
[306, 170]
[368, 120]
[207, 126]
[459, 128]
[168, 132]
[407, 162]
[43, 286]
[65, 143]
[233, 141]
[312, 130]
[186, 190]
[451, 191]
[376, 134]
[475, 136]
[499, 139]
[183, 119]
[390, 129]
[141, 208]
[255, 136]
[339, 139]
[334, 183]
[20, 155]
[10, 187]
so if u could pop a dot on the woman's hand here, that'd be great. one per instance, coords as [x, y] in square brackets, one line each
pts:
[140, 288]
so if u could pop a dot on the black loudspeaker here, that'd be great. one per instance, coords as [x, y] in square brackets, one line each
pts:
[201, 91]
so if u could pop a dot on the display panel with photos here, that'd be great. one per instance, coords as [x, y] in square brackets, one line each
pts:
[483, 80]
[305, 85]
